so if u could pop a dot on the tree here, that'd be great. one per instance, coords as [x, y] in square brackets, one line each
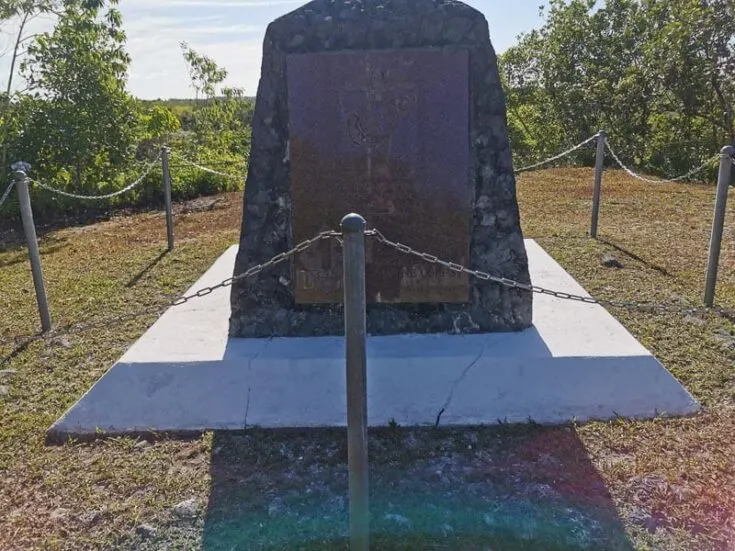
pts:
[24, 11]
[79, 113]
[223, 122]
[204, 72]
[658, 75]
[692, 54]
[159, 123]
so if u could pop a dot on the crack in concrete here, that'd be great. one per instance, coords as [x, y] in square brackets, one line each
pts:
[247, 400]
[456, 384]
[250, 385]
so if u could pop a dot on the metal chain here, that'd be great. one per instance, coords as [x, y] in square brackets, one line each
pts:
[432, 259]
[255, 270]
[6, 194]
[651, 181]
[137, 182]
[559, 156]
[204, 168]
[204, 291]
[630, 305]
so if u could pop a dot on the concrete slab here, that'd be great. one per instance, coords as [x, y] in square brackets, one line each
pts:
[185, 374]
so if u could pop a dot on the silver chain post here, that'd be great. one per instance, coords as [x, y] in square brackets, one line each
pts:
[251, 272]
[405, 249]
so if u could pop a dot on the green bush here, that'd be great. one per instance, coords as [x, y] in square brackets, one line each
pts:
[188, 182]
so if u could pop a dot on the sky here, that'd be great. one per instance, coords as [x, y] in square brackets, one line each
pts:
[231, 32]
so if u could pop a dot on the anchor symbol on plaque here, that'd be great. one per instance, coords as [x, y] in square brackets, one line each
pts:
[371, 125]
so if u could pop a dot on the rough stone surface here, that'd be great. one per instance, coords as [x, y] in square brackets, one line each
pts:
[400, 520]
[89, 518]
[146, 531]
[609, 261]
[265, 306]
[186, 509]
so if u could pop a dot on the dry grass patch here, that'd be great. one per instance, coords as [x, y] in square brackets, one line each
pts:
[666, 484]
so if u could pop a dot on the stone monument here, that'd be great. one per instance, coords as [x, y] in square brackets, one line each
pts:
[392, 109]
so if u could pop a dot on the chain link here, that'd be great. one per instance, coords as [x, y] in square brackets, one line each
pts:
[559, 156]
[204, 168]
[6, 194]
[630, 172]
[405, 249]
[630, 305]
[99, 197]
[204, 291]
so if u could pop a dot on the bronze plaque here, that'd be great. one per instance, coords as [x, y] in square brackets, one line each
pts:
[384, 134]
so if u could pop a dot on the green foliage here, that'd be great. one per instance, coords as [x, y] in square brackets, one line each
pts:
[159, 123]
[220, 122]
[81, 130]
[79, 115]
[19, 8]
[205, 74]
[24, 11]
[657, 75]
[187, 182]
[224, 124]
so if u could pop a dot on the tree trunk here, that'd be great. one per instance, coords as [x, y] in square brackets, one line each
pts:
[6, 106]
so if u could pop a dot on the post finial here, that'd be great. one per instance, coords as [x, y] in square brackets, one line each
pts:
[21, 166]
[353, 223]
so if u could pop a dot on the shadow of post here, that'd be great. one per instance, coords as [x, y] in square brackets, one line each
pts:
[147, 268]
[17, 251]
[508, 487]
[630, 254]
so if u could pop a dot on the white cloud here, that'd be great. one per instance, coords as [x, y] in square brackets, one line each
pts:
[158, 69]
[7, 43]
[155, 28]
[240, 58]
[229, 31]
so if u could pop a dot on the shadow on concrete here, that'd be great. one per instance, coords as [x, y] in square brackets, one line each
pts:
[510, 487]
[415, 380]
[424, 346]
[147, 268]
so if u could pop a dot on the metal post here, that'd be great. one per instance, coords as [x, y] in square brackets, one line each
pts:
[599, 167]
[353, 232]
[718, 223]
[167, 197]
[26, 214]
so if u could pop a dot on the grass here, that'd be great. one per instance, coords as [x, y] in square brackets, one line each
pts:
[662, 485]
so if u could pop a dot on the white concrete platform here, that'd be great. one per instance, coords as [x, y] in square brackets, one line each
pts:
[186, 375]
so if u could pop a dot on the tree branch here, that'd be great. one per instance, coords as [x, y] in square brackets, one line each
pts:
[14, 59]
